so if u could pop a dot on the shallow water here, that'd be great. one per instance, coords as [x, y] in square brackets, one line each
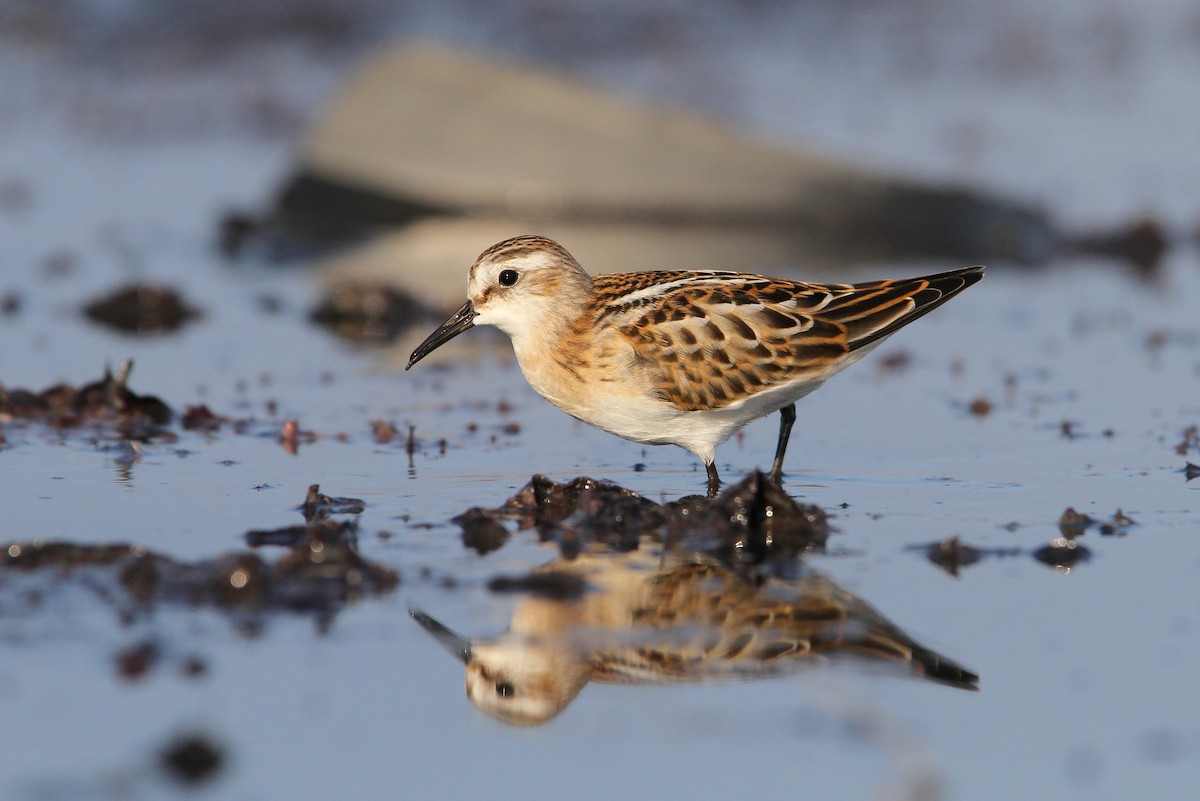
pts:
[1086, 673]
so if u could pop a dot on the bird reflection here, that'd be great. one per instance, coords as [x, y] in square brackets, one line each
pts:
[651, 617]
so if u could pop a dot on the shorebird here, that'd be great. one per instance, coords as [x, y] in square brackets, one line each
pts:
[642, 618]
[680, 357]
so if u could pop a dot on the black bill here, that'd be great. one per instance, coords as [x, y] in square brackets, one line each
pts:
[456, 645]
[463, 319]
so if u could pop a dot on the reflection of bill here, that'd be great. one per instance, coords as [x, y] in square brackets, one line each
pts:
[638, 618]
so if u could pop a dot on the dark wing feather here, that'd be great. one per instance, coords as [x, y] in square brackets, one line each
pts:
[875, 310]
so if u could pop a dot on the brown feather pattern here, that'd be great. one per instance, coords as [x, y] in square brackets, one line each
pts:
[737, 335]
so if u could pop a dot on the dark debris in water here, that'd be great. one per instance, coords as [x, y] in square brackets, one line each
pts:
[1142, 244]
[980, 406]
[142, 309]
[368, 313]
[201, 418]
[952, 554]
[1073, 524]
[615, 519]
[482, 531]
[108, 401]
[750, 522]
[317, 505]
[753, 521]
[1062, 552]
[137, 660]
[1191, 471]
[192, 759]
[320, 571]
[544, 502]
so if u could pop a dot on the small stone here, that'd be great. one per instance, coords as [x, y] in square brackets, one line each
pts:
[192, 759]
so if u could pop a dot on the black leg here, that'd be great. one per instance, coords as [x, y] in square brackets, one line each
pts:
[787, 416]
[714, 481]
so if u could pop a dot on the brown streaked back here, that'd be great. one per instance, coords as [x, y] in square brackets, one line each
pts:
[716, 338]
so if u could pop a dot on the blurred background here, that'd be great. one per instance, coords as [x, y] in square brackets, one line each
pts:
[1083, 108]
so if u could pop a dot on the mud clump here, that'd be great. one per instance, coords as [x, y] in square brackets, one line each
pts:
[108, 401]
[192, 759]
[327, 571]
[320, 572]
[1142, 243]
[368, 313]
[482, 532]
[201, 418]
[136, 661]
[952, 555]
[980, 407]
[609, 516]
[1062, 553]
[317, 506]
[544, 502]
[749, 523]
[1074, 524]
[142, 309]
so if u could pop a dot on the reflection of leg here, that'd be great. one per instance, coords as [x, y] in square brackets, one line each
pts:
[714, 481]
[787, 416]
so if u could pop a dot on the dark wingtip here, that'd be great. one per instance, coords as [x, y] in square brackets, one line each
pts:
[928, 292]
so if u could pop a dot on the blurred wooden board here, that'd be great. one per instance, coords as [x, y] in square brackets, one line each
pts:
[441, 153]
[467, 135]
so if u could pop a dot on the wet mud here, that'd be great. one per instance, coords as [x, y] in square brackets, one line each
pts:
[318, 573]
[106, 402]
[750, 522]
[370, 314]
[1064, 552]
[142, 309]
[192, 759]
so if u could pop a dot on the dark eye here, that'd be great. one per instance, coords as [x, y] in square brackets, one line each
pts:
[508, 277]
[503, 688]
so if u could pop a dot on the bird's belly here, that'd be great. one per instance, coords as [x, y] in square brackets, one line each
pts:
[614, 408]
[646, 419]
[627, 406]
